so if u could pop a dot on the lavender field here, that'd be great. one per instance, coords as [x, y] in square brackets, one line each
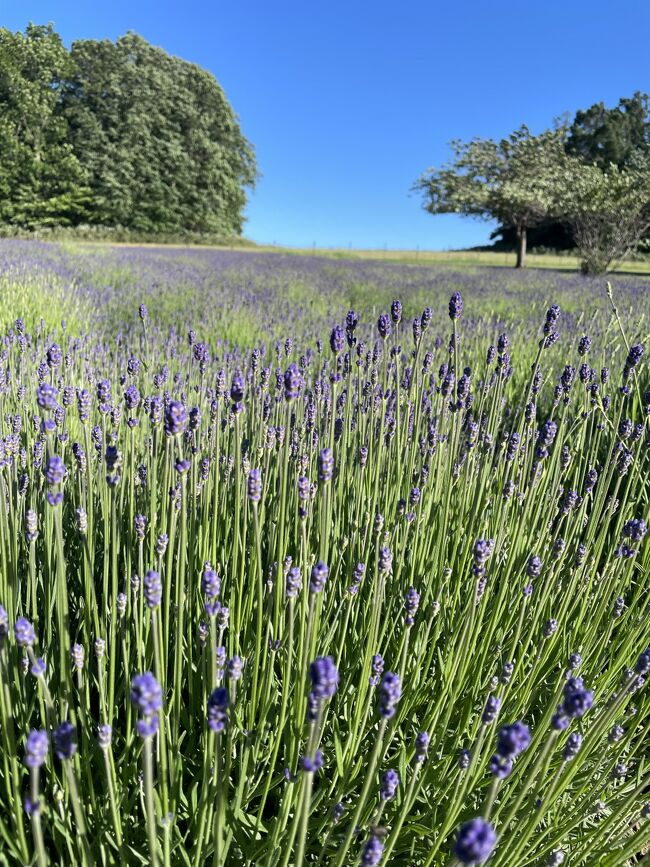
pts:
[315, 562]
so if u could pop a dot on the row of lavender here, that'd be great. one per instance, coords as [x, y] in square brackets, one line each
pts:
[377, 599]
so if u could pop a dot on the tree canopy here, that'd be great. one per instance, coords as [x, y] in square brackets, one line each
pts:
[513, 181]
[41, 179]
[588, 181]
[116, 134]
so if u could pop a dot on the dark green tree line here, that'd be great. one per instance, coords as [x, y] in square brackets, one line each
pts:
[116, 134]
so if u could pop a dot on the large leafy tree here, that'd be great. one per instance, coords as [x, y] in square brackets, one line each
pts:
[611, 136]
[599, 136]
[161, 145]
[607, 208]
[41, 180]
[514, 181]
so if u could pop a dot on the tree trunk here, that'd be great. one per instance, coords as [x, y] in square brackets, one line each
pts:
[521, 247]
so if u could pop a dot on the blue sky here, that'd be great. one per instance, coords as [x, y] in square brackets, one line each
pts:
[348, 102]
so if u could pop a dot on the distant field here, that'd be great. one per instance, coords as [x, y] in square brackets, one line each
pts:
[456, 258]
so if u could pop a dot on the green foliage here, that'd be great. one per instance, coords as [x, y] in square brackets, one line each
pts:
[117, 135]
[41, 180]
[513, 180]
[611, 136]
[608, 209]
[159, 140]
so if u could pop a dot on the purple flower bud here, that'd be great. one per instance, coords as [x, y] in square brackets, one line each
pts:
[55, 471]
[324, 677]
[255, 486]
[389, 784]
[475, 842]
[319, 575]
[513, 739]
[384, 326]
[390, 691]
[325, 465]
[293, 583]
[421, 746]
[337, 339]
[491, 709]
[218, 709]
[36, 748]
[65, 741]
[175, 418]
[152, 589]
[455, 306]
[24, 633]
[104, 737]
[577, 699]
[572, 746]
[411, 603]
[372, 852]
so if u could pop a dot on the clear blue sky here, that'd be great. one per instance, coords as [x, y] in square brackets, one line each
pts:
[348, 102]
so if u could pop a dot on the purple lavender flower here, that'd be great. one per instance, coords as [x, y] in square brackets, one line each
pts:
[377, 668]
[152, 589]
[372, 852]
[312, 765]
[421, 746]
[146, 695]
[513, 739]
[385, 559]
[491, 709]
[389, 785]
[325, 465]
[64, 741]
[324, 678]
[237, 392]
[255, 486]
[390, 691]
[175, 418]
[643, 663]
[384, 326]
[411, 603]
[293, 582]
[319, 575]
[577, 699]
[55, 471]
[104, 737]
[36, 748]
[4, 623]
[218, 709]
[211, 586]
[475, 842]
[235, 668]
[396, 311]
[337, 339]
[292, 382]
[572, 746]
[501, 766]
[46, 397]
[455, 306]
[24, 633]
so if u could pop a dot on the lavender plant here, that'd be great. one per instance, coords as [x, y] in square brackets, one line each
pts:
[374, 597]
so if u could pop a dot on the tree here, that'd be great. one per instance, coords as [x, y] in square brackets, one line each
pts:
[611, 136]
[41, 180]
[160, 143]
[608, 209]
[513, 181]
[602, 136]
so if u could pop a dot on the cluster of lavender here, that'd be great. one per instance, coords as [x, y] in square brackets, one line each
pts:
[256, 599]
